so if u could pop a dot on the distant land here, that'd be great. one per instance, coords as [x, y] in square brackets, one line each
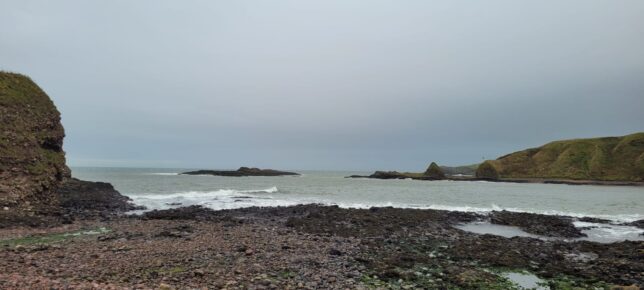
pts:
[242, 171]
[594, 159]
[433, 172]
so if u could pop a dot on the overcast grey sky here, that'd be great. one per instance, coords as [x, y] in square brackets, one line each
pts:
[327, 84]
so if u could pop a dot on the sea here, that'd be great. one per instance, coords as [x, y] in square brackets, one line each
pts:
[162, 188]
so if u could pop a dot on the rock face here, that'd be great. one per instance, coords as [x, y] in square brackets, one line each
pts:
[434, 172]
[242, 171]
[603, 159]
[35, 184]
[32, 160]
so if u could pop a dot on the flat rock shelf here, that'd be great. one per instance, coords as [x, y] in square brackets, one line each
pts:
[242, 171]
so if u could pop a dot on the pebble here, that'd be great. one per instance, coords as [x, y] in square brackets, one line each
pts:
[278, 259]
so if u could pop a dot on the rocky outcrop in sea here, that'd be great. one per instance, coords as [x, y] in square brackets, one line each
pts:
[242, 171]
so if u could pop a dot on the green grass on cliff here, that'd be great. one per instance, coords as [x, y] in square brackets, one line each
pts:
[31, 155]
[22, 102]
[17, 89]
[608, 158]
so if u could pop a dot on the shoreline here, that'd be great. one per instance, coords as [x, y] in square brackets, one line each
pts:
[559, 181]
[519, 180]
[308, 247]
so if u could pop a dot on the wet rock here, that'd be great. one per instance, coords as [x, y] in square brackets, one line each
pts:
[335, 252]
[594, 220]
[242, 248]
[171, 234]
[388, 175]
[194, 212]
[381, 248]
[544, 225]
[86, 198]
[582, 257]
[242, 171]
[639, 224]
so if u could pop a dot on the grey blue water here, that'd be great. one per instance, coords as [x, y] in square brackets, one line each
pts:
[164, 188]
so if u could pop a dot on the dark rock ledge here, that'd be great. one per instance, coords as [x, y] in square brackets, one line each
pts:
[81, 198]
[242, 171]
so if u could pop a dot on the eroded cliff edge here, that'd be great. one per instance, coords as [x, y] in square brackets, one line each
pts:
[32, 160]
[36, 188]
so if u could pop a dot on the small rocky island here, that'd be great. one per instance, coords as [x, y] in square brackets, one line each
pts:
[433, 172]
[242, 171]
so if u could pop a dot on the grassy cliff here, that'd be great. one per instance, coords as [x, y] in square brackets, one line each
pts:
[608, 158]
[32, 161]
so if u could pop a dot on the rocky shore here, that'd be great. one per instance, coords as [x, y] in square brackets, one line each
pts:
[57, 232]
[308, 247]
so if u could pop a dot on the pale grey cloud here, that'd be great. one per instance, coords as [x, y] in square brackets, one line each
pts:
[327, 84]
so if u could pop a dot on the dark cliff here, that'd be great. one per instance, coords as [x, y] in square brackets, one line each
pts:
[32, 160]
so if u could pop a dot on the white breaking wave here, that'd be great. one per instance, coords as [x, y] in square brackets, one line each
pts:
[268, 190]
[222, 199]
[607, 233]
[595, 232]
[623, 218]
[233, 198]
[217, 199]
[203, 194]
